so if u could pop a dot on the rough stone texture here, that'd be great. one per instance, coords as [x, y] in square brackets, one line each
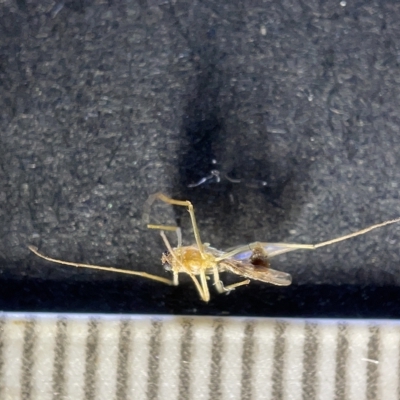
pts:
[103, 103]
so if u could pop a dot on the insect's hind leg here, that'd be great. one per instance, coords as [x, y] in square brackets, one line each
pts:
[224, 289]
[182, 203]
[357, 233]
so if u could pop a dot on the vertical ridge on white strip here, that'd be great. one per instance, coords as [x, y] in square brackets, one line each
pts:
[170, 359]
[107, 358]
[200, 367]
[231, 363]
[77, 331]
[263, 359]
[44, 359]
[141, 328]
[326, 360]
[185, 358]
[358, 335]
[294, 355]
[197, 358]
[13, 337]
[389, 362]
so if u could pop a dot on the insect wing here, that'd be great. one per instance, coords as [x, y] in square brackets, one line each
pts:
[272, 250]
[279, 278]
[256, 272]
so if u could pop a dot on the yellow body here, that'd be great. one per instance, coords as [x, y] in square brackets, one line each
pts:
[189, 258]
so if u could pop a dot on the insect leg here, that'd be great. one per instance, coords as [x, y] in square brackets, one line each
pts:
[146, 216]
[219, 285]
[235, 285]
[183, 203]
[109, 269]
[205, 294]
[354, 234]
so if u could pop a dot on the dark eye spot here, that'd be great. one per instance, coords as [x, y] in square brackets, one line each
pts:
[164, 259]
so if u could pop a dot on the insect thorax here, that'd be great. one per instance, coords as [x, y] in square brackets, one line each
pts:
[188, 259]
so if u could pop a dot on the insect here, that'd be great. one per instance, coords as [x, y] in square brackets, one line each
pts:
[200, 260]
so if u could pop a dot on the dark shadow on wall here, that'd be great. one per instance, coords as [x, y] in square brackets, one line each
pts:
[220, 188]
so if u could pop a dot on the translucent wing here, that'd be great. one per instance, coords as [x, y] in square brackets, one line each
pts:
[257, 272]
[272, 249]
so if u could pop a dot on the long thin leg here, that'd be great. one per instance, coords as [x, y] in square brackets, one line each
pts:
[354, 234]
[206, 293]
[217, 282]
[183, 203]
[220, 286]
[229, 288]
[109, 269]
[281, 248]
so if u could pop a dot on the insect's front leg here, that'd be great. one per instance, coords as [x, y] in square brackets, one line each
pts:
[34, 250]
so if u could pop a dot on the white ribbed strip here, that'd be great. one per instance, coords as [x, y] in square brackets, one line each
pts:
[45, 356]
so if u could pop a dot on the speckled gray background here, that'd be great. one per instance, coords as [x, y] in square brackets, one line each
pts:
[105, 102]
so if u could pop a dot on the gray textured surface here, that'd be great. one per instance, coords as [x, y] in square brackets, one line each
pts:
[103, 103]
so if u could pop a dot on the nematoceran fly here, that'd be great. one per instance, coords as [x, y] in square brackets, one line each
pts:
[200, 260]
